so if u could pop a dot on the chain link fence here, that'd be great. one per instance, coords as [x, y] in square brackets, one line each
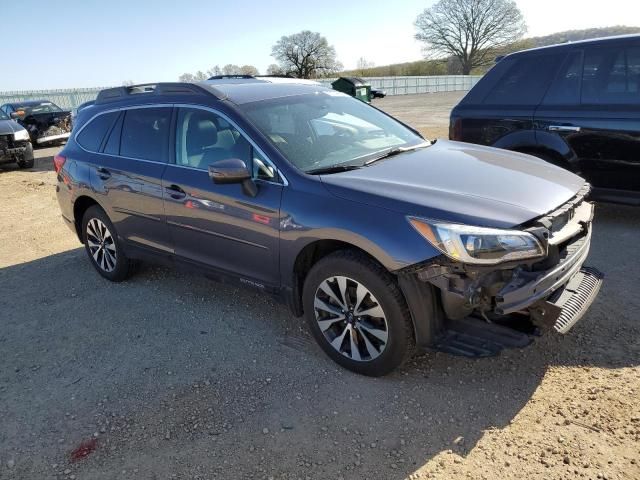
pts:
[64, 98]
[72, 97]
[418, 84]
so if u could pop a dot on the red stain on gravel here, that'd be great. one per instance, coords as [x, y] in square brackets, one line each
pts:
[84, 450]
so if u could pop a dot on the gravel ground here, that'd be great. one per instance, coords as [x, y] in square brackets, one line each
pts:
[170, 375]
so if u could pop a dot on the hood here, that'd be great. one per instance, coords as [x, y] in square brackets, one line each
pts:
[7, 127]
[459, 182]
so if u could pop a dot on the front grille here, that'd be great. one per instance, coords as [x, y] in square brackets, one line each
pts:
[579, 294]
[6, 142]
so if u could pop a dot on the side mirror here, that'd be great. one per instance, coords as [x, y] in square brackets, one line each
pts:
[233, 170]
[14, 115]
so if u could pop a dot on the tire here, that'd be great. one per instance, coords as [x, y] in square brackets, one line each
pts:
[103, 247]
[26, 164]
[372, 343]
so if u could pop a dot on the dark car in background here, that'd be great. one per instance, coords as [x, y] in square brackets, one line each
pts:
[576, 105]
[46, 122]
[15, 146]
[383, 240]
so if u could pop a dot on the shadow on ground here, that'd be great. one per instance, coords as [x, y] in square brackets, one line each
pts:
[179, 375]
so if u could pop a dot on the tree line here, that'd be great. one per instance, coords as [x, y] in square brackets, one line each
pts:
[458, 37]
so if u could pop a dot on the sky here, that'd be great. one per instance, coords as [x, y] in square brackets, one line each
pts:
[95, 43]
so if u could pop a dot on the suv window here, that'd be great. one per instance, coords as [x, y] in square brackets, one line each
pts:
[91, 136]
[526, 81]
[145, 133]
[202, 138]
[611, 76]
[565, 89]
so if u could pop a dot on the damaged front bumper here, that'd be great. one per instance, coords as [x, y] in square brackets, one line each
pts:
[555, 291]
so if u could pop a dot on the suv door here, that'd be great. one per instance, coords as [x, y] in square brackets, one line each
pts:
[593, 108]
[499, 110]
[127, 174]
[220, 226]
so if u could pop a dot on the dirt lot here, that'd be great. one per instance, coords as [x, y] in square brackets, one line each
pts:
[175, 376]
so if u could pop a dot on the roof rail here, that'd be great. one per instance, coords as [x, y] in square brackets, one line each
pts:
[222, 77]
[165, 88]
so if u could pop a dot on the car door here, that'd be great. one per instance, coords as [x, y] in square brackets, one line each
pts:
[593, 107]
[499, 112]
[221, 226]
[127, 173]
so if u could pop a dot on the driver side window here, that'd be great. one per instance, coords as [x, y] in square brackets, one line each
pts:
[203, 138]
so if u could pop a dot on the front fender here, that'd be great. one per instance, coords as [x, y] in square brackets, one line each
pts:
[312, 216]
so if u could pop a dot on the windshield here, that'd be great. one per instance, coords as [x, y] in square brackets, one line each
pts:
[328, 129]
[44, 107]
[3, 116]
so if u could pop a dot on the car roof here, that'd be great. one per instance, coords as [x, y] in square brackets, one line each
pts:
[252, 90]
[579, 43]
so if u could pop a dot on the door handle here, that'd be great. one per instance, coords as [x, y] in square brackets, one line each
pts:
[564, 128]
[103, 173]
[176, 192]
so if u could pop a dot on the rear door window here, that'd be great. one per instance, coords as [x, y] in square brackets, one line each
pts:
[565, 89]
[526, 80]
[145, 133]
[611, 76]
[91, 136]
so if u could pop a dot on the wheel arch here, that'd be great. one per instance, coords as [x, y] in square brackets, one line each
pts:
[307, 257]
[80, 206]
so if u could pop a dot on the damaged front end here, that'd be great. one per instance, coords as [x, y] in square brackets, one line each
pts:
[46, 128]
[553, 288]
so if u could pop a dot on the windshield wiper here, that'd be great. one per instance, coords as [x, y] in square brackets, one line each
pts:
[395, 151]
[332, 169]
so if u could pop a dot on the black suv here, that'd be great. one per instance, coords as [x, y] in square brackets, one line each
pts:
[576, 105]
[383, 240]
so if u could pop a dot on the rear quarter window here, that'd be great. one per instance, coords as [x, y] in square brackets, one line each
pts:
[91, 136]
[525, 81]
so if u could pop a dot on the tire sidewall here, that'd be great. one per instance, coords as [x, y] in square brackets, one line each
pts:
[120, 272]
[386, 292]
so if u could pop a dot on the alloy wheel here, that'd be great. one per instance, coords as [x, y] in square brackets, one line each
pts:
[350, 318]
[101, 245]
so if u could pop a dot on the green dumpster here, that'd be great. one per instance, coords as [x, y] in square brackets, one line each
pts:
[354, 86]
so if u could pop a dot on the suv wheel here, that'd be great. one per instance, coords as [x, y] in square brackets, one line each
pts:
[103, 247]
[357, 313]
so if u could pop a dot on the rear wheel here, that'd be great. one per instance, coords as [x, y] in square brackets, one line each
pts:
[103, 247]
[357, 313]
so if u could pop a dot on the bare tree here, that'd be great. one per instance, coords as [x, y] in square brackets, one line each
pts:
[214, 71]
[187, 77]
[274, 69]
[231, 69]
[249, 70]
[470, 30]
[363, 65]
[305, 54]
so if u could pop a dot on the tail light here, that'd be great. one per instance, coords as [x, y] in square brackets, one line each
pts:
[58, 162]
[455, 129]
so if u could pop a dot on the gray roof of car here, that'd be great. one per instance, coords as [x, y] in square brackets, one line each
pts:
[247, 92]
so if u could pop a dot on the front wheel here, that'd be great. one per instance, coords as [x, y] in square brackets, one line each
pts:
[103, 247]
[357, 313]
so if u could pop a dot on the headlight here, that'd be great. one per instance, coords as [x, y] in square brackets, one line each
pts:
[478, 245]
[21, 135]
